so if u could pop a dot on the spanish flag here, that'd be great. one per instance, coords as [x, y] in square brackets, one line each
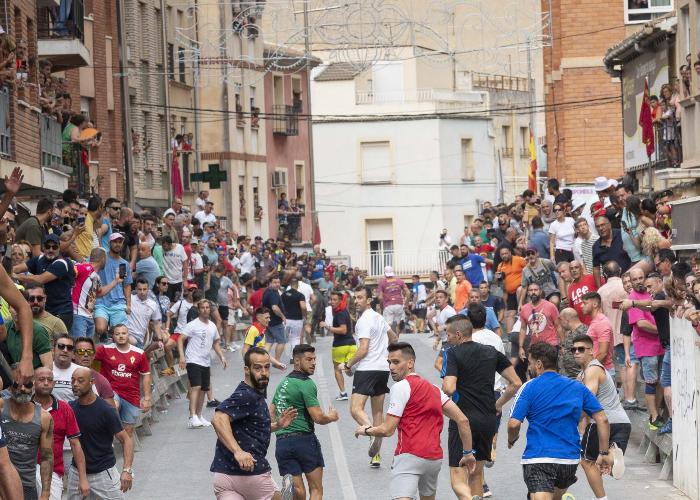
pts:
[532, 174]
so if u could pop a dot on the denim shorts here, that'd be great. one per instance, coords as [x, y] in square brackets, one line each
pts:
[298, 453]
[651, 366]
[83, 326]
[275, 334]
[619, 355]
[114, 315]
[665, 377]
[128, 413]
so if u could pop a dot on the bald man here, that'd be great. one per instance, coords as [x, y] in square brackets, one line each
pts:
[571, 327]
[99, 424]
[147, 267]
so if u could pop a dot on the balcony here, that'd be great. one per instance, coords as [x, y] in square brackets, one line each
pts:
[426, 99]
[61, 35]
[286, 120]
[289, 226]
[5, 129]
[406, 263]
[507, 152]
[524, 152]
[57, 163]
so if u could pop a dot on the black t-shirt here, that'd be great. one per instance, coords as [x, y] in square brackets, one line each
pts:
[291, 299]
[475, 366]
[663, 323]
[496, 303]
[212, 293]
[625, 327]
[273, 298]
[98, 424]
[58, 292]
[343, 318]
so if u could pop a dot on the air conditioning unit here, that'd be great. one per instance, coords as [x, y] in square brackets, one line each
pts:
[279, 178]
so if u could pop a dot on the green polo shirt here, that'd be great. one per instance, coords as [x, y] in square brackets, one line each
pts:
[298, 391]
[40, 343]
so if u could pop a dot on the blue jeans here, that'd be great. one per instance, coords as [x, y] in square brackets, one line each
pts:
[665, 377]
[83, 326]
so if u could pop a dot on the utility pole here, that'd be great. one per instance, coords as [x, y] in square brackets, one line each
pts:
[531, 102]
[126, 120]
[309, 121]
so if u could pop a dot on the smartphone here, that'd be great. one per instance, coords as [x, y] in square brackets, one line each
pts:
[81, 220]
[66, 221]
[616, 304]
[122, 271]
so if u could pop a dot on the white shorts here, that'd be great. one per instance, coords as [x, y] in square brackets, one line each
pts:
[293, 330]
[410, 473]
[231, 321]
[393, 314]
[56, 484]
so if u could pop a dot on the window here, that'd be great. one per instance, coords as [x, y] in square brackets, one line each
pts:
[145, 81]
[507, 150]
[467, 160]
[375, 162]
[299, 182]
[171, 61]
[639, 11]
[380, 238]
[256, 198]
[297, 101]
[525, 142]
[148, 179]
[241, 196]
[277, 90]
[181, 64]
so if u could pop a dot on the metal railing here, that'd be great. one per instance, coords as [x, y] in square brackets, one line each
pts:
[286, 121]
[418, 95]
[66, 20]
[51, 142]
[507, 152]
[5, 129]
[498, 82]
[406, 263]
[290, 227]
[524, 152]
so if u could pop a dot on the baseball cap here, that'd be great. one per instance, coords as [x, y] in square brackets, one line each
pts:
[389, 271]
[52, 237]
[116, 236]
[191, 286]
[531, 249]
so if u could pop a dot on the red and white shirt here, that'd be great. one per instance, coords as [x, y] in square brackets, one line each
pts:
[418, 404]
[84, 295]
[64, 426]
[577, 290]
[123, 370]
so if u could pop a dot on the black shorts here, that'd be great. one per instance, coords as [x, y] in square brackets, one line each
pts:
[223, 312]
[298, 453]
[174, 291]
[199, 376]
[482, 440]
[370, 382]
[547, 477]
[420, 312]
[511, 301]
[619, 434]
[515, 346]
[563, 256]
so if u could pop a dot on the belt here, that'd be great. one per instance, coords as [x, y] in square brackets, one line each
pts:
[293, 434]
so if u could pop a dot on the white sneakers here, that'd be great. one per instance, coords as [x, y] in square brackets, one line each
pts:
[618, 468]
[196, 422]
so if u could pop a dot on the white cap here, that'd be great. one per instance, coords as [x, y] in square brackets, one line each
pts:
[603, 183]
[389, 272]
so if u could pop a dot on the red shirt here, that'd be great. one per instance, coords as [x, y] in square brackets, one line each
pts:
[418, 404]
[600, 330]
[541, 321]
[123, 370]
[576, 292]
[64, 426]
[255, 299]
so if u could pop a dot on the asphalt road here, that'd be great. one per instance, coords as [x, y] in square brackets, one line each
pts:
[174, 462]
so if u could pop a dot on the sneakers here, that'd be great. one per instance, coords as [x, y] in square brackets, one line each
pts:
[630, 405]
[231, 348]
[343, 396]
[655, 424]
[376, 461]
[667, 427]
[618, 468]
[213, 403]
[204, 422]
[287, 487]
[487, 491]
[375, 444]
[194, 422]
[489, 463]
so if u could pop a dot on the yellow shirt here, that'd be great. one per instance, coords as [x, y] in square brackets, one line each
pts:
[83, 242]
[254, 337]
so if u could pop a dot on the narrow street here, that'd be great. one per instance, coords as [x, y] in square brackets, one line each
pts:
[174, 462]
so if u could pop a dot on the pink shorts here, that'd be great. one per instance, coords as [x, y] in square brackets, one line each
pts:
[258, 487]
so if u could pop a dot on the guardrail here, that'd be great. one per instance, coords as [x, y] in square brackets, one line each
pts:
[406, 263]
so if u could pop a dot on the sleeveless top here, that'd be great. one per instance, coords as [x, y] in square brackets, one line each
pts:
[23, 443]
[608, 396]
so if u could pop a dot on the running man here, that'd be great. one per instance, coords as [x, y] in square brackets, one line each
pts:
[416, 409]
[552, 405]
[344, 347]
[393, 295]
[371, 369]
[597, 378]
[255, 336]
[298, 449]
[471, 371]
[295, 307]
[445, 312]
[239, 466]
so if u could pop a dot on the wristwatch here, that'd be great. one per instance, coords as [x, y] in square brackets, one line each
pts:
[604, 453]
[467, 452]
[129, 471]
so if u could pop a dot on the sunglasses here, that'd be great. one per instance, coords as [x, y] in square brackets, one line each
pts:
[558, 209]
[65, 347]
[116, 208]
[28, 385]
[579, 350]
[37, 299]
[531, 253]
[163, 283]
[83, 352]
[51, 246]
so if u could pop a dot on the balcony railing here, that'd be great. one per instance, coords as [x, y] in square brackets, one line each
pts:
[524, 153]
[406, 263]
[51, 142]
[418, 95]
[289, 227]
[286, 121]
[66, 20]
[507, 152]
[5, 129]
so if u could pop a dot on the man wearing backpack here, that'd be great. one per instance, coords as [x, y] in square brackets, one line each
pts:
[540, 271]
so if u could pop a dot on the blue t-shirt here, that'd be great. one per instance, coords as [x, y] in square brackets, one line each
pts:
[445, 348]
[58, 291]
[251, 426]
[104, 241]
[471, 265]
[319, 268]
[115, 296]
[552, 405]
[148, 269]
[540, 240]
[491, 319]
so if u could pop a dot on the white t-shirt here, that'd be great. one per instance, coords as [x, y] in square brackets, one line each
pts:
[202, 337]
[203, 217]
[443, 315]
[487, 337]
[63, 388]
[196, 263]
[371, 325]
[142, 313]
[199, 203]
[306, 290]
[400, 393]
[247, 263]
[183, 307]
[565, 233]
[173, 261]
[235, 263]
